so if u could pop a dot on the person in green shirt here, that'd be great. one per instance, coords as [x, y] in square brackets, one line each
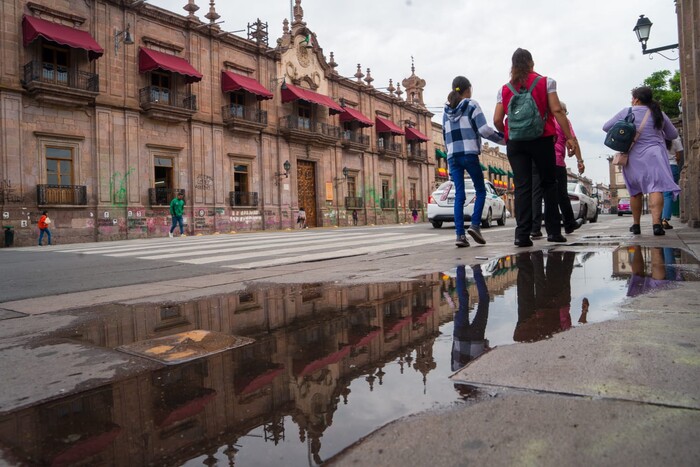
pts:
[177, 208]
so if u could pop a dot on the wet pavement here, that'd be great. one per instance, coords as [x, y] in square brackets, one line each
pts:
[296, 373]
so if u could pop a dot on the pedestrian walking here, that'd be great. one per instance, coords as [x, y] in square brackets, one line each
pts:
[675, 155]
[647, 170]
[533, 141]
[177, 209]
[301, 218]
[414, 214]
[463, 126]
[43, 224]
[354, 217]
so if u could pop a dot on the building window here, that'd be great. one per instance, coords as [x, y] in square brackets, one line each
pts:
[412, 189]
[352, 186]
[237, 104]
[240, 178]
[304, 113]
[385, 189]
[160, 87]
[59, 166]
[163, 172]
[55, 61]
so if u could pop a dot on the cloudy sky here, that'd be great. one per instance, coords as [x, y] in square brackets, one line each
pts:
[587, 46]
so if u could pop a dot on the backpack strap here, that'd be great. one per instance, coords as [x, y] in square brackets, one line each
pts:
[534, 83]
[512, 89]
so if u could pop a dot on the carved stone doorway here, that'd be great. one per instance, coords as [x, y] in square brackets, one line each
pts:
[306, 187]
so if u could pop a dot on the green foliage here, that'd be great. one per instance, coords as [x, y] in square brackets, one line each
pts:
[667, 90]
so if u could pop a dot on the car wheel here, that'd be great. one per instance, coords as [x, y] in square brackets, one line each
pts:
[584, 214]
[502, 220]
[436, 224]
[486, 223]
[595, 217]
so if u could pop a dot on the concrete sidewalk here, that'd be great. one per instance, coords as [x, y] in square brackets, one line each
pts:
[623, 392]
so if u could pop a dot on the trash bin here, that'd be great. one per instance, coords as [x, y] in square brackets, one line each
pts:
[9, 236]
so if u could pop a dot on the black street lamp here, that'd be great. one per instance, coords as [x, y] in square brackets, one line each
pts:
[642, 29]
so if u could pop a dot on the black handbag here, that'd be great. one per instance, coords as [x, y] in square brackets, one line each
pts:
[621, 136]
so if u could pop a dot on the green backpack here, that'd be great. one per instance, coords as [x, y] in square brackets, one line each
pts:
[525, 122]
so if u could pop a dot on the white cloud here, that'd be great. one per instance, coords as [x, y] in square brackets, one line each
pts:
[586, 45]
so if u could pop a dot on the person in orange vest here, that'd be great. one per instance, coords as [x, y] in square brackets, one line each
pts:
[43, 225]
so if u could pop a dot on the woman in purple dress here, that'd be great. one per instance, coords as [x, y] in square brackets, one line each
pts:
[648, 170]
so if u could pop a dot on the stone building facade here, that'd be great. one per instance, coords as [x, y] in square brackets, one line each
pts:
[109, 108]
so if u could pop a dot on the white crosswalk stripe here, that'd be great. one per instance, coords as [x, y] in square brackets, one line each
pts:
[257, 250]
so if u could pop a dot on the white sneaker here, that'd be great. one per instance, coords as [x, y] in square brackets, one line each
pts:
[183, 235]
[170, 234]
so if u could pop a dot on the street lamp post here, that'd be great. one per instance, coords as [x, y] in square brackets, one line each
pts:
[642, 29]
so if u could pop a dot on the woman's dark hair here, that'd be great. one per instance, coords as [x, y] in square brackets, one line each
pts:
[459, 85]
[521, 67]
[645, 96]
[669, 143]
[43, 213]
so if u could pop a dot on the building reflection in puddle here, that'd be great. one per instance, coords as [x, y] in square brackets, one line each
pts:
[329, 364]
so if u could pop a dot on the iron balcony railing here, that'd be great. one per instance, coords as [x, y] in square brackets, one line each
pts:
[353, 202]
[383, 144]
[161, 196]
[169, 97]
[75, 195]
[250, 114]
[415, 204]
[242, 198]
[387, 203]
[35, 71]
[355, 137]
[417, 154]
[294, 122]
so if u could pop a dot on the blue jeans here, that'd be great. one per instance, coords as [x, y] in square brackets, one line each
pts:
[41, 235]
[177, 220]
[458, 164]
[668, 195]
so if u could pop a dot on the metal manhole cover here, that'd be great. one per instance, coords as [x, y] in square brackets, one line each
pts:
[185, 346]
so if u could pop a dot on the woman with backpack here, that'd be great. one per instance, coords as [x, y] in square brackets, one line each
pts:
[531, 105]
[463, 126]
[43, 225]
[647, 169]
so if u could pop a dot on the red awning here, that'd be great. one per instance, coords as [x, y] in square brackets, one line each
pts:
[86, 448]
[387, 126]
[402, 323]
[292, 93]
[150, 60]
[234, 82]
[36, 27]
[248, 385]
[352, 115]
[367, 339]
[316, 365]
[414, 135]
[423, 317]
[190, 408]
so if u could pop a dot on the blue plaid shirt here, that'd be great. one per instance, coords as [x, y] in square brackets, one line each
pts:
[464, 126]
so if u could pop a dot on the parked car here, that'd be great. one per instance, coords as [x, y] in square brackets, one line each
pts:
[584, 206]
[441, 204]
[623, 206]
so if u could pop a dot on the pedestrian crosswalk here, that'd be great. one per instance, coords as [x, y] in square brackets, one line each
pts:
[258, 250]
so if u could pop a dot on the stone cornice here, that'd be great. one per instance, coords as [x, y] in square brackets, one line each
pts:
[41, 9]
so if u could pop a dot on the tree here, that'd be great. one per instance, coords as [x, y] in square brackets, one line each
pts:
[666, 89]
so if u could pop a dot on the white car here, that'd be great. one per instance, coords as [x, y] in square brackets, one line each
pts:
[584, 206]
[441, 204]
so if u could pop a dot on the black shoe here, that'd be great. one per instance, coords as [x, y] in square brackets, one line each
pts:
[461, 241]
[557, 238]
[573, 226]
[666, 225]
[537, 234]
[475, 233]
[635, 229]
[523, 242]
[658, 230]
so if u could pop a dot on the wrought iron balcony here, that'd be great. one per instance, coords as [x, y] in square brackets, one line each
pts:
[353, 202]
[242, 198]
[72, 195]
[161, 196]
[387, 203]
[304, 129]
[389, 148]
[60, 85]
[417, 155]
[353, 139]
[244, 118]
[167, 104]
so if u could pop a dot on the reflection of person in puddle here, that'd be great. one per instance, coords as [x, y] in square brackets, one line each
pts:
[468, 338]
[544, 294]
[643, 281]
[583, 319]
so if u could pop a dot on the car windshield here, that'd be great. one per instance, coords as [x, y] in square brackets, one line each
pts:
[468, 185]
[624, 201]
[571, 186]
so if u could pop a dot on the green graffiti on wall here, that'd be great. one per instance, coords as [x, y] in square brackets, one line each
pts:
[117, 187]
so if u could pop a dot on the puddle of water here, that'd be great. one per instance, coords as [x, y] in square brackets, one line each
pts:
[328, 365]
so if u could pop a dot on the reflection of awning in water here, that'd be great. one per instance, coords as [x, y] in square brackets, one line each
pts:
[189, 408]
[87, 447]
[247, 384]
[322, 362]
[423, 317]
[365, 340]
[400, 324]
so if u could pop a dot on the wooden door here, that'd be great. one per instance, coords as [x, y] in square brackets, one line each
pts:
[306, 187]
